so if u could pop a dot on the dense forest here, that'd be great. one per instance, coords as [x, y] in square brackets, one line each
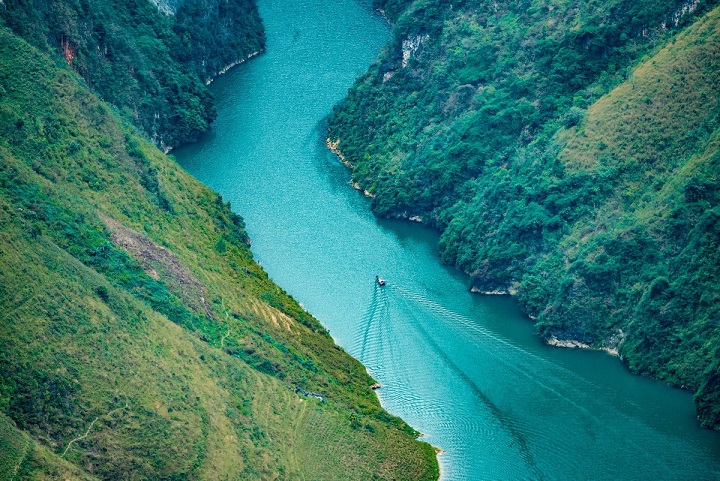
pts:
[139, 339]
[569, 153]
[150, 61]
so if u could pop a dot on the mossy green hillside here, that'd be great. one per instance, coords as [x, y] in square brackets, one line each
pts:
[23, 458]
[584, 178]
[465, 86]
[138, 337]
[149, 59]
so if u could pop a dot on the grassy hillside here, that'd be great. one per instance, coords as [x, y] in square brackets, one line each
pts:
[23, 458]
[569, 155]
[150, 61]
[138, 337]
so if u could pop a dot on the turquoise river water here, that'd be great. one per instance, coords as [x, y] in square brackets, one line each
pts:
[467, 371]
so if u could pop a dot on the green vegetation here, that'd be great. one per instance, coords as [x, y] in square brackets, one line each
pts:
[150, 64]
[23, 458]
[139, 339]
[569, 153]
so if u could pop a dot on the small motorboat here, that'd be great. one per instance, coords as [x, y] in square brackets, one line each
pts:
[380, 280]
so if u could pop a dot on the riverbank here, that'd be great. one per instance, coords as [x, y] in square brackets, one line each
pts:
[573, 344]
[233, 64]
[334, 147]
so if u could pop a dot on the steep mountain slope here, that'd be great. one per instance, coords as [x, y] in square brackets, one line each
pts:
[569, 155]
[150, 61]
[138, 337]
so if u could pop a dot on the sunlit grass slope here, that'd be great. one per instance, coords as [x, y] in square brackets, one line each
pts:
[655, 140]
[568, 155]
[138, 339]
[610, 232]
[23, 458]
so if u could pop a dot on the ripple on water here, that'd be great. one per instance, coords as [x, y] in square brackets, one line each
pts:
[477, 423]
[463, 369]
[397, 318]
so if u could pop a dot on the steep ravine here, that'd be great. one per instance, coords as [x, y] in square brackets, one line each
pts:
[467, 371]
[568, 155]
[139, 339]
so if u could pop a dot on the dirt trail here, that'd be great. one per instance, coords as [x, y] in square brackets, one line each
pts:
[90, 428]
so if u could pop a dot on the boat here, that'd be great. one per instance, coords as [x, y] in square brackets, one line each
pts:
[380, 280]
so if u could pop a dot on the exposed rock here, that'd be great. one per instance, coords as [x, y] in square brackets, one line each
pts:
[498, 292]
[168, 7]
[160, 264]
[411, 46]
[334, 146]
[572, 343]
[228, 67]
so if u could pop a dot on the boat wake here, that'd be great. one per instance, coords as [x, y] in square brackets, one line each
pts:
[447, 372]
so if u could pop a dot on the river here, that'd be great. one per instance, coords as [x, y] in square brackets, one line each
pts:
[467, 371]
